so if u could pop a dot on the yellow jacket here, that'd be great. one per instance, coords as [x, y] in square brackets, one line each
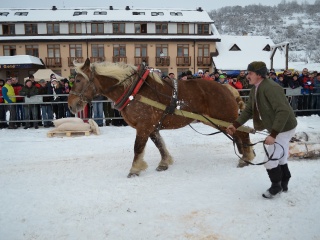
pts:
[8, 93]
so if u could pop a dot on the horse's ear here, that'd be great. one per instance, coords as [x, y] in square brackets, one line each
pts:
[86, 64]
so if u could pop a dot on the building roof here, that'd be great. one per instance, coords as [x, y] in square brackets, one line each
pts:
[251, 49]
[20, 59]
[103, 15]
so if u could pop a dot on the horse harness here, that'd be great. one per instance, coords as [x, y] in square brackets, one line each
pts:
[90, 83]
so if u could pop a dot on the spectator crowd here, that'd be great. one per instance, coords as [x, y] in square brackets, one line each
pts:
[36, 104]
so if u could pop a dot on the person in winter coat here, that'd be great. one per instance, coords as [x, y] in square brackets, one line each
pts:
[235, 83]
[223, 79]
[9, 97]
[245, 83]
[270, 109]
[29, 90]
[46, 106]
[3, 123]
[293, 83]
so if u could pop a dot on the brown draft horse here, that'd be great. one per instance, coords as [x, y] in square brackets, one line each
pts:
[199, 96]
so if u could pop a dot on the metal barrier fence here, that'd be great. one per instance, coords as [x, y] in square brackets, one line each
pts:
[302, 104]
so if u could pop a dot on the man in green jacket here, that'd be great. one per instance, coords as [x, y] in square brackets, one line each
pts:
[269, 109]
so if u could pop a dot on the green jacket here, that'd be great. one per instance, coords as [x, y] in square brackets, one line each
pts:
[276, 113]
[29, 92]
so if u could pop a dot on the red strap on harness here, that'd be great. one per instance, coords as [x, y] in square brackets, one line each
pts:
[134, 92]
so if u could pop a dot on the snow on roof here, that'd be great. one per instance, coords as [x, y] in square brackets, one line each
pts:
[103, 14]
[20, 59]
[251, 50]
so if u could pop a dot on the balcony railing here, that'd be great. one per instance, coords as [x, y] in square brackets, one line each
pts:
[162, 61]
[203, 61]
[97, 59]
[119, 59]
[184, 61]
[53, 62]
[71, 59]
[139, 60]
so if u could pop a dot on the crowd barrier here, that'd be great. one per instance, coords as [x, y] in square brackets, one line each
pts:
[302, 104]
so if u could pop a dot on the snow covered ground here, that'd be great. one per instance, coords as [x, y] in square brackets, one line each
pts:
[77, 188]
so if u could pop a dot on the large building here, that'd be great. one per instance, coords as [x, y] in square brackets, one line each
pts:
[167, 39]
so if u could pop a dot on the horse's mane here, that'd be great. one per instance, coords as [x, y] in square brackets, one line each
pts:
[119, 71]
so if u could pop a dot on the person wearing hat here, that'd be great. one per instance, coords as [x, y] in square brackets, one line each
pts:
[183, 76]
[28, 91]
[269, 108]
[9, 97]
[71, 80]
[200, 73]
[46, 106]
[223, 79]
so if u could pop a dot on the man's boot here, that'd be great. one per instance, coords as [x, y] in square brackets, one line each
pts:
[286, 175]
[275, 175]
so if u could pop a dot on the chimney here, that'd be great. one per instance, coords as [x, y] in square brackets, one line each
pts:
[54, 8]
[110, 8]
[199, 9]
[127, 8]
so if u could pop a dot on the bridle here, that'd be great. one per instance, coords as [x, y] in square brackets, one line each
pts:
[90, 83]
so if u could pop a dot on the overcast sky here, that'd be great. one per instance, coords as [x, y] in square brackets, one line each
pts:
[192, 4]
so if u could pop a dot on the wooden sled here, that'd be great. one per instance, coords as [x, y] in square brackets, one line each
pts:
[67, 133]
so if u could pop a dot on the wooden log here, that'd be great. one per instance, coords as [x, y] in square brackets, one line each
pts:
[304, 150]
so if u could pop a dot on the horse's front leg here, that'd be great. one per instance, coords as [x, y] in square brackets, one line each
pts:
[138, 163]
[166, 158]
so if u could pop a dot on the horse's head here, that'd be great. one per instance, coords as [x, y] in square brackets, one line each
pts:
[83, 89]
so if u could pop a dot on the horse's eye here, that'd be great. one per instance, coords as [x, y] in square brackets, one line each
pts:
[77, 80]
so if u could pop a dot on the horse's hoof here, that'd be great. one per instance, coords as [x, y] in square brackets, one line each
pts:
[161, 168]
[130, 175]
[242, 164]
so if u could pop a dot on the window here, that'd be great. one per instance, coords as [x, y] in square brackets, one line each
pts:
[140, 50]
[8, 29]
[53, 28]
[203, 28]
[162, 48]
[176, 14]
[31, 29]
[140, 28]
[4, 14]
[9, 50]
[234, 48]
[100, 13]
[97, 28]
[21, 13]
[75, 50]
[183, 28]
[203, 50]
[203, 55]
[267, 48]
[75, 28]
[161, 28]
[183, 50]
[118, 28]
[53, 50]
[119, 50]
[78, 13]
[97, 50]
[157, 13]
[138, 13]
[32, 50]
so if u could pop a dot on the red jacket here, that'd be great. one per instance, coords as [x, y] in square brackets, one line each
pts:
[1, 99]
[17, 88]
[236, 85]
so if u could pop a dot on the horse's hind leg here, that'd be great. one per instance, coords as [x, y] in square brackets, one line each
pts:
[138, 163]
[244, 148]
[166, 158]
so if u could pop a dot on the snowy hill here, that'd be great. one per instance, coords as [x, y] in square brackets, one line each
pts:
[296, 23]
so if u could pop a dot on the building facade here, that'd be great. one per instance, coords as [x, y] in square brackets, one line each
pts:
[167, 39]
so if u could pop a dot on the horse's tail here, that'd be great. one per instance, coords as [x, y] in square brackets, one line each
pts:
[240, 102]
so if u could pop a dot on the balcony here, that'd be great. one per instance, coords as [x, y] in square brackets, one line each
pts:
[183, 61]
[119, 59]
[204, 61]
[139, 60]
[97, 59]
[53, 62]
[162, 61]
[71, 59]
